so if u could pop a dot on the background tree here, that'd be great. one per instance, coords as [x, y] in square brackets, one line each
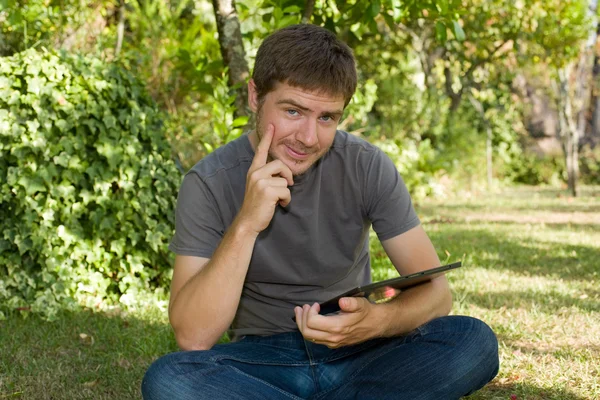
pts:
[233, 53]
[570, 58]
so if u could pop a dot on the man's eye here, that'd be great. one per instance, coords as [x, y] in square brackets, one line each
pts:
[326, 118]
[292, 112]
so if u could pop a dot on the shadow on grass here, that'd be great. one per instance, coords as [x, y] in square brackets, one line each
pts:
[591, 227]
[546, 301]
[528, 256]
[465, 208]
[523, 391]
[82, 355]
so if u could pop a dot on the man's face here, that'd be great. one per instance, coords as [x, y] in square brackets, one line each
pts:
[305, 124]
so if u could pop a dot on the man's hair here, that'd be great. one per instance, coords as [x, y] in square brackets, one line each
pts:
[305, 56]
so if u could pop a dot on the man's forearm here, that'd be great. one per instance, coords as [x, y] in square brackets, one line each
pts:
[414, 307]
[206, 305]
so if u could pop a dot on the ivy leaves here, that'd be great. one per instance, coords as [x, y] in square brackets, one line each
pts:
[87, 184]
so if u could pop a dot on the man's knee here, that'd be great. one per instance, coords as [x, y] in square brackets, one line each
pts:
[480, 350]
[485, 342]
[176, 375]
[473, 345]
[159, 378]
[464, 331]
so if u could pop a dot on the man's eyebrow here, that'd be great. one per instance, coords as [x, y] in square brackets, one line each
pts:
[303, 108]
[293, 103]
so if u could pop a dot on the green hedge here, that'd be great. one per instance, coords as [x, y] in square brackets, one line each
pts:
[87, 185]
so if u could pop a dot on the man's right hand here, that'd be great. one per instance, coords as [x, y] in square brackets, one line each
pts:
[266, 187]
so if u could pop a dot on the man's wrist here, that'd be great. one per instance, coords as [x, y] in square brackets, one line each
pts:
[385, 318]
[242, 228]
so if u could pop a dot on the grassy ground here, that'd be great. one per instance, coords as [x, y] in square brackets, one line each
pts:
[531, 271]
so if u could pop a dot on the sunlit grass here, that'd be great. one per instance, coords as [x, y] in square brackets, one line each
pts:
[532, 272]
[534, 279]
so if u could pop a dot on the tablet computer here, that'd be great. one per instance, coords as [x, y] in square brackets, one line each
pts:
[380, 292]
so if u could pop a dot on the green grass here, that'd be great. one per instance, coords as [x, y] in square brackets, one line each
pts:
[82, 355]
[531, 271]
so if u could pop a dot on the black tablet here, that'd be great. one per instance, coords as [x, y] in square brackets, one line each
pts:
[383, 291]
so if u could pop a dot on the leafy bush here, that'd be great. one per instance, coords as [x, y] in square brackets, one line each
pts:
[531, 169]
[30, 23]
[416, 164]
[87, 185]
[589, 165]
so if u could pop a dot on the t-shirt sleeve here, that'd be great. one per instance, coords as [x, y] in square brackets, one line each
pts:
[388, 203]
[198, 224]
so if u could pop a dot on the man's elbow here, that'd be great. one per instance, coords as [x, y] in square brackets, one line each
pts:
[190, 338]
[192, 344]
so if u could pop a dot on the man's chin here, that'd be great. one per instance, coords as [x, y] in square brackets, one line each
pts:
[296, 172]
[298, 167]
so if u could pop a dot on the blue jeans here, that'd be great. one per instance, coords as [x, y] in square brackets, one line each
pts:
[447, 358]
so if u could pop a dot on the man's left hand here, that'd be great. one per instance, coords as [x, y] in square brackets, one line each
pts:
[358, 321]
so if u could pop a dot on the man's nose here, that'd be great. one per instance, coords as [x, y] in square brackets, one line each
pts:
[308, 134]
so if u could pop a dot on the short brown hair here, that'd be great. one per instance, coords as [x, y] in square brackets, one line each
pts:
[305, 56]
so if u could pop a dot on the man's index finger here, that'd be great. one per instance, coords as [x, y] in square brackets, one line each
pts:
[262, 151]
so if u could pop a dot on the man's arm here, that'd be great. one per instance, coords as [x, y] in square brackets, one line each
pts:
[205, 293]
[413, 252]
[361, 320]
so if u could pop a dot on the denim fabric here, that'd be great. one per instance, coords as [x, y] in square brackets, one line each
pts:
[447, 358]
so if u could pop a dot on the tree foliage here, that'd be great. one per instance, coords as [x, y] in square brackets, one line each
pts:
[88, 184]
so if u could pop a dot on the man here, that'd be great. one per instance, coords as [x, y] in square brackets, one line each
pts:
[277, 221]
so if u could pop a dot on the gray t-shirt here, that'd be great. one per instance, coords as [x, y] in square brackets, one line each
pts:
[316, 247]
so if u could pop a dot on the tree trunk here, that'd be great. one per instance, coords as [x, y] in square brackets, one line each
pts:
[568, 131]
[120, 28]
[594, 137]
[308, 11]
[583, 91]
[488, 142]
[232, 51]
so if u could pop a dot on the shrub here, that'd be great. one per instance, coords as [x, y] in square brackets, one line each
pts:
[416, 164]
[589, 164]
[87, 185]
[531, 169]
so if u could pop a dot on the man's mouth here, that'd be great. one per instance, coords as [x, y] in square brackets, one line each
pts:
[296, 153]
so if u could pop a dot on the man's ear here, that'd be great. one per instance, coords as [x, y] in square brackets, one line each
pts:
[252, 96]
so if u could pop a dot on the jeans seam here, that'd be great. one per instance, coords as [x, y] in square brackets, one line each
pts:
[230, 358]
[311, 366]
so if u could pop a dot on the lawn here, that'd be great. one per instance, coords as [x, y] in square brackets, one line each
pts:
[531, 271]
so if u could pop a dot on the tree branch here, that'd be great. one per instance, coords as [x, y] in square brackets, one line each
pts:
[487, 59]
